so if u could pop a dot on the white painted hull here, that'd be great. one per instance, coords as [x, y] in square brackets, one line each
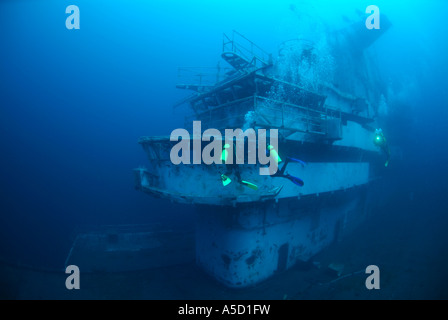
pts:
[245, 245]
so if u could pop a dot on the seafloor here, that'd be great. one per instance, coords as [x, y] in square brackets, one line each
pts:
[406, 242]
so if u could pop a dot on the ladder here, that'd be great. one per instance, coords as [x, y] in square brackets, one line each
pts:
[241, 53]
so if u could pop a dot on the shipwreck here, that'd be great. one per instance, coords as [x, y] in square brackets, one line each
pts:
[323, 99]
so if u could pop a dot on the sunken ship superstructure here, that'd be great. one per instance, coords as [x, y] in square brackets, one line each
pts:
[323, 98]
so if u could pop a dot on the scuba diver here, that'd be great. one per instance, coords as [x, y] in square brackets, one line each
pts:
[380, 141]
[279, 174]
[235, 169]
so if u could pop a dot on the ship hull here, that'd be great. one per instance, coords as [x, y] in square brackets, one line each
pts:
[245, 245]
[245, 236]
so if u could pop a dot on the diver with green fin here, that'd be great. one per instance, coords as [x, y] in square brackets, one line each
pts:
[380, 141]
[234, 167]
[279, 174]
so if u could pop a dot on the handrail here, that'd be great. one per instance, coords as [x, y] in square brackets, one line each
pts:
[283, 103]
[256, 97]
[224, 105]
[253, 44]
[310, 117]
[201, 76]
[249, 54]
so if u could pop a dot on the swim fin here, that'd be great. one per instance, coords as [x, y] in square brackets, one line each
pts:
[295, 180]
[249, 184]
[303, 163]
[225, 180]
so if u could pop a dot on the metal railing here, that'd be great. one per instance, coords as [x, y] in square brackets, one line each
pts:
[246, 49]
[281, 114]
[201, 76]
[269, 113]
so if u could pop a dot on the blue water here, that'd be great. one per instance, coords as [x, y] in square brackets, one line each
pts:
[73, 104]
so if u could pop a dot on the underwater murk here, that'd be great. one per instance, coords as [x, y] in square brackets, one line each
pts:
[92, 206]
